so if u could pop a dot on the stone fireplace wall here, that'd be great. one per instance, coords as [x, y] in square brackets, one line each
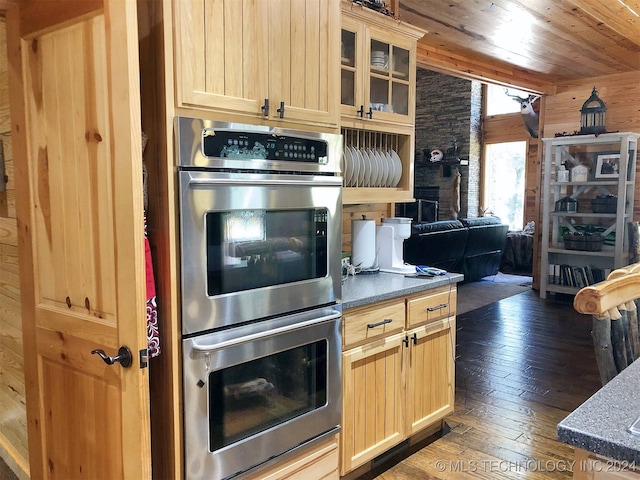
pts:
[448, 108]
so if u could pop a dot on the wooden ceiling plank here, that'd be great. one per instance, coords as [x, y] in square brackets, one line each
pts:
[566, 42]
[623, 18]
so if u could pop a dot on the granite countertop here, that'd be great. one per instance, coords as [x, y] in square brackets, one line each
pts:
[364, 289]
[600, 424]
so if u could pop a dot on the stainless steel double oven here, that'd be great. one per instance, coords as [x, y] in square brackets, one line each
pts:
[260, 227]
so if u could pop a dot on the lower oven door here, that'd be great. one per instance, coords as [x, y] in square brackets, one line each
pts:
[258, 391]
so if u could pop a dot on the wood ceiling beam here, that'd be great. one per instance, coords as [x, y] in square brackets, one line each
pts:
[482, 69]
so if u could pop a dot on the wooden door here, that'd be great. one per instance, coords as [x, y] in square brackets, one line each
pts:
[372, 400]
[430, 374]
[77, 149]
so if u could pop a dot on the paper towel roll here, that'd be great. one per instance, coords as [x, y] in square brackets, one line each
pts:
[363, 243]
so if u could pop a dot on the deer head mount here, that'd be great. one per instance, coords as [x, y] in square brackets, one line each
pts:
[529, 116]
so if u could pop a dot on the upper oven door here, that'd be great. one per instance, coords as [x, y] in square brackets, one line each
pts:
[257, 245]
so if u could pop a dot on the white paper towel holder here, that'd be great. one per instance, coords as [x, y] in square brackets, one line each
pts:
[363, 238]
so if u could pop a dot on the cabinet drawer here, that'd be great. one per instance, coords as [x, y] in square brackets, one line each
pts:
[368, 323]
[441, 303]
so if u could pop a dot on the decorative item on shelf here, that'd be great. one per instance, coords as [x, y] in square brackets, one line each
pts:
[588, 242]
[592, 115]
[567, 204]
[436, 155]
[562, 174]
[607, 165]
[377, 5]
[608, 239]
[579, 173]
[604, 204]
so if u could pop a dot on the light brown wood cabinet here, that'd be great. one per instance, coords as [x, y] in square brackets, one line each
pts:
[378, 68]
[378, 96]
[318, 462]
[269, 60]
[590, 466]
[397, 377]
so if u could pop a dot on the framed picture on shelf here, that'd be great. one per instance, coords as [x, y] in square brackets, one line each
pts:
[607, 165]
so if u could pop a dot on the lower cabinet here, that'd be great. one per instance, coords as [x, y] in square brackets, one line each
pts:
[373, 397]
[319, 462]
[430, 375]
[396, 381]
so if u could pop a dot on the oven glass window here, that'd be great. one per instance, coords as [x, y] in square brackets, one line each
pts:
[249, 249]
[251, 397]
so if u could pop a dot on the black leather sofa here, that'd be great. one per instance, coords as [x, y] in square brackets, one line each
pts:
[471, 246]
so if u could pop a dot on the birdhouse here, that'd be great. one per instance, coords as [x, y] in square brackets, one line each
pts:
[579, 173]
[592, 114]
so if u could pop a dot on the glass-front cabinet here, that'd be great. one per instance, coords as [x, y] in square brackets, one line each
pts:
[378, 96]
[377, 73]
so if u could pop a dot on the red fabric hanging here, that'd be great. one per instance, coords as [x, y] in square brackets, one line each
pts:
[153, 333]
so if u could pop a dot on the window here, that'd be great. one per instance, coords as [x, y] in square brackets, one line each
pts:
[498, 102]
[504, 181]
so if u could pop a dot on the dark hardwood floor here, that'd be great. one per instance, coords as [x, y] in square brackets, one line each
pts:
[522, 365]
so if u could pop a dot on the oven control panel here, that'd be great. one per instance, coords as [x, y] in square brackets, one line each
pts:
[262, 146]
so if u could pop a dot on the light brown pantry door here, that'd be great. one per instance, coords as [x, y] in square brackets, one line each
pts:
[76, 124]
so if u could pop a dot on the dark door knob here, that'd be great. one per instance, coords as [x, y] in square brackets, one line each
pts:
[124, 357]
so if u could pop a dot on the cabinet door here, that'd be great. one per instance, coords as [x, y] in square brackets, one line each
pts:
[372, 415]
[391, 77]
[303, 60]
[378, 73]
[353, 58]
[430, 374]
[318, 461]
[221, 54]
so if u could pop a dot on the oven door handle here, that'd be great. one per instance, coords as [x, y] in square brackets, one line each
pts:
[257, 336]
[301, 180]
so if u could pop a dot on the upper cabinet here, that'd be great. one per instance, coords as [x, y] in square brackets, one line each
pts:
[378, 68]
[378, 97]
[275, 60]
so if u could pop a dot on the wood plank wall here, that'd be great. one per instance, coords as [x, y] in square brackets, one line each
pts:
[13, 426]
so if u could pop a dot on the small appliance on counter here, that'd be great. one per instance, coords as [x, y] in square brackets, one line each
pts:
[363, 245]
[390, 237]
